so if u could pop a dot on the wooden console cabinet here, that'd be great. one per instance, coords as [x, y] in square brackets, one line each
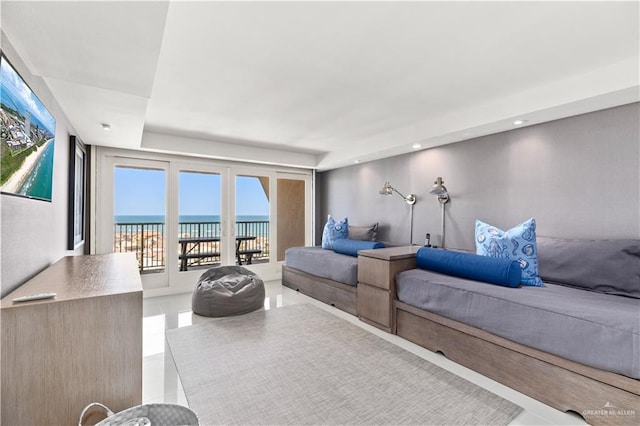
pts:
[59, 355]
[376, 283]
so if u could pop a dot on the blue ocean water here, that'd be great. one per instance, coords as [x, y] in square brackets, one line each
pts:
[185, 218]
[39, 182]
[194, 226]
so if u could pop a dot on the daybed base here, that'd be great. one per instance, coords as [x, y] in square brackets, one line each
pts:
[340, 295]
[599, 396]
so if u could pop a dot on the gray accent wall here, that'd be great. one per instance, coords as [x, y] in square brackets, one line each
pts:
[34, 233]
[579, 177]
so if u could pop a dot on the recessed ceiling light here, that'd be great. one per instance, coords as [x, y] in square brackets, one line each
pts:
[356, 161]
[519, 122]
[416, 146]
[106, 126]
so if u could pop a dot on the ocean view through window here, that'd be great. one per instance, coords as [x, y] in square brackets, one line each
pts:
[252, 236]
[140, 193]
[199, 227]
[140, 222]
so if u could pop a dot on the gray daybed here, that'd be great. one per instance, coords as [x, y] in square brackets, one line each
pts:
[574, 344]
[324, 275]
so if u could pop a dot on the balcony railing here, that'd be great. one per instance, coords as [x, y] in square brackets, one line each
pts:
[147, 240]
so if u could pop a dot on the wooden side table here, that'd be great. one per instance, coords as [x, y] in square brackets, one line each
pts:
[376, 283]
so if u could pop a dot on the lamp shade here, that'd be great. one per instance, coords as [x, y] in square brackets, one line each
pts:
[438, 187]
[386, 189]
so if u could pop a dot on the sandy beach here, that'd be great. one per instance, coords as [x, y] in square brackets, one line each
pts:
[17, 179]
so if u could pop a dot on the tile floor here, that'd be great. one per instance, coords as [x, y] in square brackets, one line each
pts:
[162, 384]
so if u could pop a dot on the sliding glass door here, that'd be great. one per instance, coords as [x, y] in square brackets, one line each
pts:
[132, 215]
[181, 216]
[139, 215]
[252, 224]
[200, 236]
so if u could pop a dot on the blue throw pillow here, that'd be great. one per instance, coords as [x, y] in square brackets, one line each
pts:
[334, 230]
[351, 247]
[491, 270]
[518, 243]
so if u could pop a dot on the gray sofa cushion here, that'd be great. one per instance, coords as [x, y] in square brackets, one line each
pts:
[363, 233]
[605, 266]
[599, 330]
[323, 263]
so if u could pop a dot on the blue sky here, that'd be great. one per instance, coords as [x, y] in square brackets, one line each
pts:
[23, 95]
[142, 192]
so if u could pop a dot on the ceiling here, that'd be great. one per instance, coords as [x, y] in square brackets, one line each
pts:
[322, 84]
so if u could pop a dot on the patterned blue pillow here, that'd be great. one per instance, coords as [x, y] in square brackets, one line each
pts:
[518, 243]
[334, 230]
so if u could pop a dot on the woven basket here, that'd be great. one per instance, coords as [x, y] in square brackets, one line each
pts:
[145, 415]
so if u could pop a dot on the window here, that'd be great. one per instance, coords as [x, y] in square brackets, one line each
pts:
[252, 222]
[139, 216]
[182, 215]
[200, 219]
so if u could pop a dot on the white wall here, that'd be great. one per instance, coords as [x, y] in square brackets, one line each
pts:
[579, 177]
[34, 233]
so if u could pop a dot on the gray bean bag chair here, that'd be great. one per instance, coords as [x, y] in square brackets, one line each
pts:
[227, 290]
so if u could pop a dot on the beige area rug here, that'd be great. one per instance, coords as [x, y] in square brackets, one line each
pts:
[300, 365]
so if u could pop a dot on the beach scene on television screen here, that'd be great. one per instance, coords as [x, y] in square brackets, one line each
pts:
[27, 142]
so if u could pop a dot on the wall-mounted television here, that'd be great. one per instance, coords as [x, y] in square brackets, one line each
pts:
[27, 141]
